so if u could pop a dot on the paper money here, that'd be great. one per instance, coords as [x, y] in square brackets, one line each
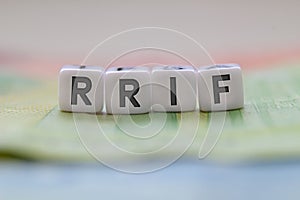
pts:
[267, 128]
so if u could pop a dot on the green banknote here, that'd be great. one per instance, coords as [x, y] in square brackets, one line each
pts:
[267, 128]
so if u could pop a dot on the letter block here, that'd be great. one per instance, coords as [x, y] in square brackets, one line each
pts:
[220, 87]
[81, 89]
[174, 89]
[127, 90]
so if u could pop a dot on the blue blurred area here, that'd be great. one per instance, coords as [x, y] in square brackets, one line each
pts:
[182, 180]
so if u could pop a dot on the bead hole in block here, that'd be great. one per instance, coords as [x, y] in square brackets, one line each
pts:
[173, 68]
[219, 67]
[124, 68]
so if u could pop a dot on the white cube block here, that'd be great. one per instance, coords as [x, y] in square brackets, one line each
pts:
[220, 87]
[81, 89]
[173, 88]
[127, 90]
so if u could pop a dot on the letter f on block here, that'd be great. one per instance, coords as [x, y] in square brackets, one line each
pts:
[217, 88]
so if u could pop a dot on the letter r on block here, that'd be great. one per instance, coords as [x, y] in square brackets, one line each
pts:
[128, 93]
[80, 91]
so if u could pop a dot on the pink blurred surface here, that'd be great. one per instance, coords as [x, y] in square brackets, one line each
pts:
[37, 38]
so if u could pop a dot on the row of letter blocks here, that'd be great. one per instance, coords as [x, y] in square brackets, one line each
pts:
[133, 90]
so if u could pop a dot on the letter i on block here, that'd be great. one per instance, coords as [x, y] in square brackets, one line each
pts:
[173, 89]
[220, 87]
[81, 89]
[127, 90]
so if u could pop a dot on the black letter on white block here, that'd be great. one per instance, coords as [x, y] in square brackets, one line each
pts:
[129, 94]
[173, 91]
[80, 91]
[217, 89]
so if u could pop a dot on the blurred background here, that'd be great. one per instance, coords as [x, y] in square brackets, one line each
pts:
[38, 37]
